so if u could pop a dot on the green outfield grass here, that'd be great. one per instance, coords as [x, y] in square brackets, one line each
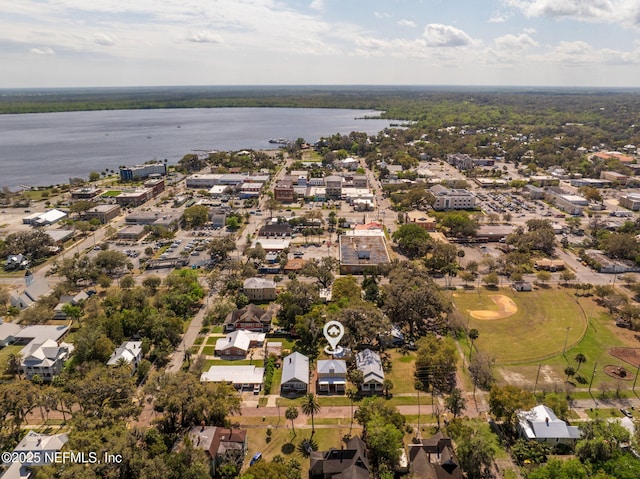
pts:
[545, 319]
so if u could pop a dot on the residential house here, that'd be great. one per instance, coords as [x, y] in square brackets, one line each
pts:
[249, 318]
[259, 289]
[332, 376]
[370, 364]
[434, 458]
[220, 444]
[38, 450]
[129, 352]
[350, 462]
[31, 294]
[236, 345]
[44, 359]
[16, 261]
[59, 310]
[295, 374]
[243, 378]
[8, 332]
[541, 424]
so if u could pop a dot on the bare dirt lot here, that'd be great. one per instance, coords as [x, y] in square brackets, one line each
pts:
[506, 308]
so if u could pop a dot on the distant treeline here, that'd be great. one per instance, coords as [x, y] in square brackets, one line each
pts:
[612, 111]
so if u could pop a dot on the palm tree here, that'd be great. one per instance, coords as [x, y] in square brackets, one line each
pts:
[473, 335]
[580, 358]
[569, 371]
[387, 384]
[310, 407]
[292, 414]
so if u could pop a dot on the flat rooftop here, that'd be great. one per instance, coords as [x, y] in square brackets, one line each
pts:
[363, 250]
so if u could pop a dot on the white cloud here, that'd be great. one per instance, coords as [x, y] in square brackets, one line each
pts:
[498, 19]
[42, 51]
[381, 15]
[104, 40]
[625, 12]
[437, 35]
[515, 42]
[317, 5]
[406, 23]
[579, 52]
[204, 37]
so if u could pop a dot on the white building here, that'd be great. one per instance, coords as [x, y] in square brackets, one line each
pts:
[370, 364]
[295, 374]
[44, 359]
[541, 424]
[452, 199]
[129, 352]
[243, 378]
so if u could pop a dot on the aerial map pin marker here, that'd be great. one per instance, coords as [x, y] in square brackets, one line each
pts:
[333, 331]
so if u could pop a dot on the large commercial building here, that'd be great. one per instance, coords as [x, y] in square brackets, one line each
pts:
[103, 213]
[361, 250]
[630, 201]
[452, 199]
[129, 173]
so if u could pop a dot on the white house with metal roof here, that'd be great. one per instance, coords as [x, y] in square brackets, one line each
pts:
[243, 378]
[44, 359]
[541, 424]
[295, 374]
[129, 352]
[370, 364]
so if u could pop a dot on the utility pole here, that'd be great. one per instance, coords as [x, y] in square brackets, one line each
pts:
[537, 376]
[592, 376]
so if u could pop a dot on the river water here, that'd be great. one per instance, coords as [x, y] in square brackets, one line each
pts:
[49, 148]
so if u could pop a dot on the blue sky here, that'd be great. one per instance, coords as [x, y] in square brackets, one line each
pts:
[67, 43]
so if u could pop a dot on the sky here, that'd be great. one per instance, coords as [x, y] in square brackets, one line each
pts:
[80, 43]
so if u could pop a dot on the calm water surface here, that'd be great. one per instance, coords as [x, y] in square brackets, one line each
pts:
[49, 148]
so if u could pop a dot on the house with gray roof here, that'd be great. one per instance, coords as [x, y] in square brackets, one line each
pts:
[295, 374]
[332, 375]
[42, 448]
[370, 364]
[541, 424]
[31, 294]
[45, 360]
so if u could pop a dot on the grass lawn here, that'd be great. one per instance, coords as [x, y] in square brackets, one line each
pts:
[401, 374]
[603, 413]
[601, 335]
[284, 443]
[209, 350]
[212, 340]
[243, 362]
[198, 341]
[544, 320]
[111, 193]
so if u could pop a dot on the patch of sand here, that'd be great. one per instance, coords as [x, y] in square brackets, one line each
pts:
[513, 378]
[506, 308]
